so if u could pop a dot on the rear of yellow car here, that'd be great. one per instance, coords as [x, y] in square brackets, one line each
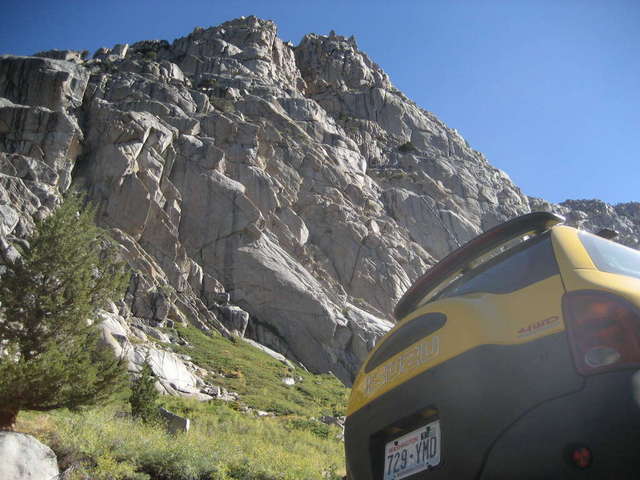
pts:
[522, 367]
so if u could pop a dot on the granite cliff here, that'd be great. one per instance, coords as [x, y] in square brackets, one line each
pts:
[289, 194]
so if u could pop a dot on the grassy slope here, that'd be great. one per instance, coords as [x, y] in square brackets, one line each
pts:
[223, 443]
[257, 377]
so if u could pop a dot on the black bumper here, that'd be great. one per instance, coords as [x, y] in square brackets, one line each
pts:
[603, 417]
[476, 396]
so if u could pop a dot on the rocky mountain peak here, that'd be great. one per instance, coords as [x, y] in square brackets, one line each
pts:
[290, 194]
[593, 215]
[244, 48]
[334, 63]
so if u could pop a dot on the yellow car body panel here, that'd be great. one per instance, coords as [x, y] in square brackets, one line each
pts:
[569, 251]
[534, 312]
[537, 317]
[580, 273]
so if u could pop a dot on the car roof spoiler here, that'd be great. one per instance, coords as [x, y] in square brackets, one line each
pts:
[463, 257]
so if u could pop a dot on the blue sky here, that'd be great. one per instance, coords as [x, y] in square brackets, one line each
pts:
[548, 90]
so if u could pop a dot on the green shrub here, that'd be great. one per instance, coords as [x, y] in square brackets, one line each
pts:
[407, 147]
[144, 395]
[312, 425]
[208, 83]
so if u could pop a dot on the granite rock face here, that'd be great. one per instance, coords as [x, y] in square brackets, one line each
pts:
[290, 194]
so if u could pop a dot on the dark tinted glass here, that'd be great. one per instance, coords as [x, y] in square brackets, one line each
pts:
[406, 336]
[610, 256]
[517, 268]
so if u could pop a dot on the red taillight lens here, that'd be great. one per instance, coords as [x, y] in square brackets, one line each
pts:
[604, 331]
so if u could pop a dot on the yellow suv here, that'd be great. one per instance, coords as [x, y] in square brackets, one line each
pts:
[515, 357]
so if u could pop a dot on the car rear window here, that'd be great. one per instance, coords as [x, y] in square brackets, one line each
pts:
[610, 256]
[528, 263]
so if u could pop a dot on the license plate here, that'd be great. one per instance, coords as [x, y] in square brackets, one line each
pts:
[413, 452]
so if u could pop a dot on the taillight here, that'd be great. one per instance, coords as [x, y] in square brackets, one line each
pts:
[604, 331]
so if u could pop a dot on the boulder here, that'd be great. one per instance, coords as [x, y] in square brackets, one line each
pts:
[25, 458]
[234, 318]
[271, 353]
[220, 393]
[331, 420]
[168, 367]
[175, 375]
[174, 423]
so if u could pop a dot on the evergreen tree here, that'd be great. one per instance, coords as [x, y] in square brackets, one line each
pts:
[144, 394]
[51, 355]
